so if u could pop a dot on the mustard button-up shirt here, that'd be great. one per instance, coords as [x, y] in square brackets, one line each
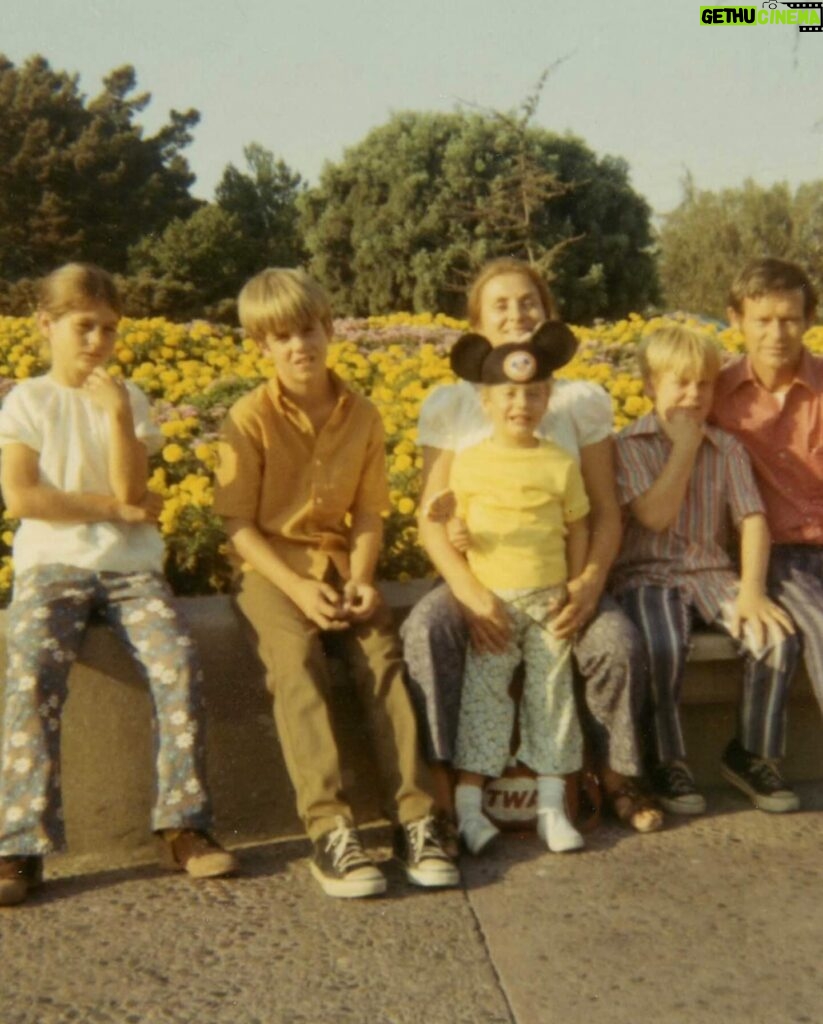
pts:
[299, 487]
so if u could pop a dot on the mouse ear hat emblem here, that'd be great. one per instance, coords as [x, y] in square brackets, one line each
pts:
[551, 346]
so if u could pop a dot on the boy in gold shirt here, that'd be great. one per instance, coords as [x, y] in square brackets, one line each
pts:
[301, 483]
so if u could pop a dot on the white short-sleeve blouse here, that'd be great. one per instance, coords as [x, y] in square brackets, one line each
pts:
[71, 437]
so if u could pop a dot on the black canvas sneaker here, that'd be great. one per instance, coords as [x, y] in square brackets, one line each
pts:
[759, 778]
[675, 788]
[341, 865]
[419, 847]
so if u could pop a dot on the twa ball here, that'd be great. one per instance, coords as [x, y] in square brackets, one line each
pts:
[511, 801]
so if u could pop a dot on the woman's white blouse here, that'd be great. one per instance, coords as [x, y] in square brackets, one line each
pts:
[579, 414]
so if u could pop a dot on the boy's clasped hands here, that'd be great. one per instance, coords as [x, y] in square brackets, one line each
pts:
[334, 609]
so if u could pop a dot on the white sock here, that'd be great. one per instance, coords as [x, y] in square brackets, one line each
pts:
[553, 825]
[474, 827]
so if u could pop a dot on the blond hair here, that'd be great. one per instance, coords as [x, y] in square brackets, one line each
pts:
[281, 300]
[508, 265]
[73, 287]
[679, 350]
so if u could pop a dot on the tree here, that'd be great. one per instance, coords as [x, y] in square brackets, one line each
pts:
[78, 179]
[264, 204]
[412, 212]
[523, 184]
[711, 234]
[193, 269]
[196, 267]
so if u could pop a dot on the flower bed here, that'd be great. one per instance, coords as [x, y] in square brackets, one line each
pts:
[193, 372]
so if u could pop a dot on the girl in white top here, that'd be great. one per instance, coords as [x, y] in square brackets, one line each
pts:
[75, 448]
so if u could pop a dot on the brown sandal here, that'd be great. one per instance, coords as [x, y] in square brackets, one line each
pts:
[634, 808]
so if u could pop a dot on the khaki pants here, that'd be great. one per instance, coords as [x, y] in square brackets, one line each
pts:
[297, 674]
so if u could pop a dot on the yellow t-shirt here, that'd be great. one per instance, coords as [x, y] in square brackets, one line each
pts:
[516, 503]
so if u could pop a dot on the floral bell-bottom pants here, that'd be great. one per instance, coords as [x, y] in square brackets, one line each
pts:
[47, 618]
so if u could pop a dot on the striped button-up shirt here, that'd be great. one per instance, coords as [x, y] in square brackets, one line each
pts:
[692, 554]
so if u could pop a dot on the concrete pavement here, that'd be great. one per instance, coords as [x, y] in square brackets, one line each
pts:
[719, 919]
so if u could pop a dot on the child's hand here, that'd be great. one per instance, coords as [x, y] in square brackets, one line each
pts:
[320, 603]
[759, 615]
[458, 534]
[147, 510]
[488, 621]
[684, 428]
[582, 597]
[105, 391]
[360, 601]
[441, 507]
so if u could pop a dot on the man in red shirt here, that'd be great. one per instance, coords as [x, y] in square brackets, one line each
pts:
[771, 398]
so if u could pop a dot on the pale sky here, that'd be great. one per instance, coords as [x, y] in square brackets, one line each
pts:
[641, 79]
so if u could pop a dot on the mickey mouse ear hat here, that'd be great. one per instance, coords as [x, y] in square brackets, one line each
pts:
[551, 346]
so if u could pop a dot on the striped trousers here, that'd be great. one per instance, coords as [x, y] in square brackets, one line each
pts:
[664, 617]
[796, 581]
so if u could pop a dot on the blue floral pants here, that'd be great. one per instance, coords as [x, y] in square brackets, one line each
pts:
[47, 618]
[551, 742]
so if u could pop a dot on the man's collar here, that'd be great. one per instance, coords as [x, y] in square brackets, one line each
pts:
[809, 373]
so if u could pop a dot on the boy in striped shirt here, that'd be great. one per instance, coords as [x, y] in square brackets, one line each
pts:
[680, 481]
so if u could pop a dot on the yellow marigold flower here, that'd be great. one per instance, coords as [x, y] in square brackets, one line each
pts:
[205, 453]
[637, 405]
[173, 453]
[405, 506]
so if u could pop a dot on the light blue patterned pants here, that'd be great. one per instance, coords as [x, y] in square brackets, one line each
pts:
[47, 619]
[550, 738]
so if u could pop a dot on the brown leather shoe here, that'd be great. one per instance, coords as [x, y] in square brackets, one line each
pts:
[17, 876]
[196, 853]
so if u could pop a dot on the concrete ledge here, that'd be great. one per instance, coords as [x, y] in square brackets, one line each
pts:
[107, 741]
[107, 745]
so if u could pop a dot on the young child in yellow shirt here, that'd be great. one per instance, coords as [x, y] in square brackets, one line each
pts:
[525, 510]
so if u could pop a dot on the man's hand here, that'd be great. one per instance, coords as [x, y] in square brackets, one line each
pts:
[360, 601]
[761, 616]
[487, 618]
[581, 604]
[320, 603]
